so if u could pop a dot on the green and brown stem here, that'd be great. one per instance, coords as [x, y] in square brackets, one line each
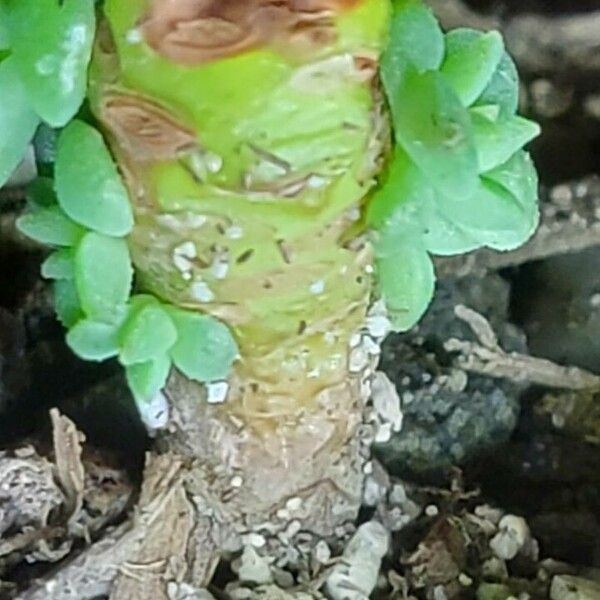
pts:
[249, 134]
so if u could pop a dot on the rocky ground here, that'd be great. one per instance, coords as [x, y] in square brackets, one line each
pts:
[487, 446]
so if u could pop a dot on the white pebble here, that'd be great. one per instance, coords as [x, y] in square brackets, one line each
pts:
[155, 414]
[186, 249]
[182, 264]
[355, 577]
[256, 540]
[254, 568]
[359, 359]
[293, 528]
[378, 326]
[386, 401]
[317, 287]
[216, 392]
[134, 36]
[283, 514]
[511, 537]
[384, 433]
[200, 291]
[294, 504]
[322, 552]
[234, 232]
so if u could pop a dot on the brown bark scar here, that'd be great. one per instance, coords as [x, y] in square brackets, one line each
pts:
[198, 31]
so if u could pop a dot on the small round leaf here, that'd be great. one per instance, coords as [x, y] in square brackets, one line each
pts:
[50, 226]
[435, 130]
[503, 88]
[147, 333]
[93, 340]
[51, 43]
[406, 281]
[59, 265]
[88, 184]
[66, 302]
[415, 39]
[471, 60]
[147, 379]
[18, 120]
[103, 274]
[205, 348]
[497, 141]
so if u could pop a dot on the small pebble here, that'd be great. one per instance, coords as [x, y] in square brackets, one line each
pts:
[511, 537]
[294, 504]
[200, 291]
[317, 287]
[216, 392]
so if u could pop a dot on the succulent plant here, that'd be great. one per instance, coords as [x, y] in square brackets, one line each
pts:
[245, 180]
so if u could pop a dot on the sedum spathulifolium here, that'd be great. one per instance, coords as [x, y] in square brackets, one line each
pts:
[253, 190]
[45, 49]
[86, 215]
[458, 178]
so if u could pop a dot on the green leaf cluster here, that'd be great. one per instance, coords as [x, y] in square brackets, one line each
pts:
[458, 178]
[45, 48]
[85, 214]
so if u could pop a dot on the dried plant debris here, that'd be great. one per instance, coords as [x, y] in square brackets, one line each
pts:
[46, 506]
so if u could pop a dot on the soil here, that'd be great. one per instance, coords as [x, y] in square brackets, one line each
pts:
[491, 490]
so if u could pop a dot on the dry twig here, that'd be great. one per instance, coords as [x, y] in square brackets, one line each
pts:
[486, 357]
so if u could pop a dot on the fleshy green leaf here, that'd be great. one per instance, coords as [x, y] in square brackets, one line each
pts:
[50, 226]
[89, 188]
[490, 112]
[471, 60]
[40, 192]
[399, 195]
[519, 178]
[66, 302]
[51, 42]
[441, 236]
[405, 205]
[406, 279]
[148, 333]
[147, 379]
[497, 142]
[503, 88]
[205, 348]
[435, 130]
[416, 39]
[4, 40]
[92, 340]
[493, 216]
[17, 120]
[103, 274]
[59, 265]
